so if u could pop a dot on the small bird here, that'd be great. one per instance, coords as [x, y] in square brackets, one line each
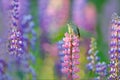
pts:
[74, 28]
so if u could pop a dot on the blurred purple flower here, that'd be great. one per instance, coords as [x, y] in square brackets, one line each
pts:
[61, 55]
[4, 7]
[77, 13]
[53, 14]
[18, 45]
[24, 7]
[90, 17]
[108, 9]
[84, 15]
[3, 66]
[28, 27]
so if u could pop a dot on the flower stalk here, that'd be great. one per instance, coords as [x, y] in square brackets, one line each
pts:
[114, 48]
[71, 55]
[94, 65]
[16, 44]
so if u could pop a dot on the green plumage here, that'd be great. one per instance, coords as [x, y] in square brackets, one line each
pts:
[74, 28]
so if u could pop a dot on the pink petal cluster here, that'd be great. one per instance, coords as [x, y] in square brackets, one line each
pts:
[71, 58]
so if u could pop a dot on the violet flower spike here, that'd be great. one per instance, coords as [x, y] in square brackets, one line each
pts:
[28, 29]
[114, 48]
[94, 65]
[92, 55]
[27, 26]
[71, 55]
[58, 65]
[101, 70]
[16, 44]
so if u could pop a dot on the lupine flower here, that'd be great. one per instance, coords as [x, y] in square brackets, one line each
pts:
[83, 11]
[16, 44]
[92, 55]
[58, 65]
[27, 25]
[114, 48]
[60, 48]
[53, 16]
[29, 36]
[94, 65]
[71, 55]
[28, 29]
[101, 70]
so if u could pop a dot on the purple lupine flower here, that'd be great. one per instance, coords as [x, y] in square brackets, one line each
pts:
[71, 55]
[18, 46]
[16, 43]
[25, 67]
[94, 65]
[83, 11]
[28, 29]
[58, 65]
[114, 48]
[52, 16]
[78, 11]
[60, 49]
[92, 55]
[101, 70]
